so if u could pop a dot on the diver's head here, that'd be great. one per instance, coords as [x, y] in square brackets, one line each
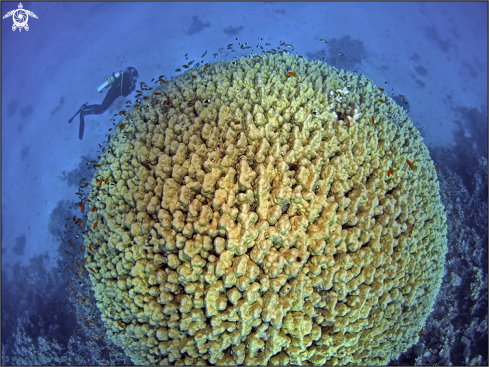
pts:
[133, 72]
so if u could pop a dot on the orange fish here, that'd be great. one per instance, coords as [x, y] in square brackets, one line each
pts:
[163, 82]
[185, 66]
[85, 260]
[389, 172]
[90, 247]
[77, 262]
[194, 76]
[137, 105]
[71, 267]
[100, 183]
[80, 223]
[84, 316]
[82, 207]
[410, 164]
[95, 225]
[237, 122]
[67, 284]
[73, 291]
[446, 193]
[373, 120]
[106, 180]
[178, 70]
[421, 331]
[94, 209]
[93, 271]
[81, 248]
[109, 350]
[80, 271]
[206, 66]
[381, 100]
[437, 170]
[292, 73]
[89, 321]
[120, 324]
[101, 335]
[157, 93]
[72, 310]
[411, 229]
[381, 89]
[97, 165]
[84, 300]
[80, 329]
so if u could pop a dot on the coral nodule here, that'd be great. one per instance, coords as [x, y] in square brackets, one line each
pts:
[266, 210]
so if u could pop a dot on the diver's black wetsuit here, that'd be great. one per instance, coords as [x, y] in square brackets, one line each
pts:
[128, 81]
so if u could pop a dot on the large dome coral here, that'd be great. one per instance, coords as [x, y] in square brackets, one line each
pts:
[262, 211]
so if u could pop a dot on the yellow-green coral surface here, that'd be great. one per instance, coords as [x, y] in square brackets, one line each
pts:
[250, 219]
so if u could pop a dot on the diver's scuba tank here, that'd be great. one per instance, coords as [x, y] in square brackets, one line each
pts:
[110, 80]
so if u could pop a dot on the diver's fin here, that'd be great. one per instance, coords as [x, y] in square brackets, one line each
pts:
[81, 130]
[77, 112]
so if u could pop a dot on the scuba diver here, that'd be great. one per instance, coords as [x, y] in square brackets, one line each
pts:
[122, 83]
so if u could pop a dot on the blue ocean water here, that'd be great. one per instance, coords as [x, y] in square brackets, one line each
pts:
[434, 55]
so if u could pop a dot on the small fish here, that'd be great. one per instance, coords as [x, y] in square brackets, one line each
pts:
[85, 260]
[90, 247]
[237, 122]
[163, 82]
[446, 193]
[106, 180]
[137, 105]
[81, 248]
[323, 41]
[94, 209]
[373, 120]
[78, 262]
[292, 73]
[204, 54]
[80, 271]
[157, 93]
[93, 271]
[73, 291]
[71, 267]
[178, 70]
[410, 164]
[389, 172]
[101, 335]
[83, 316]
[80, 329]
[185, 66]
[381, 89]
[421, 331]
[95, 225]
[411, 229]
[403, 99]
[67, 284]
[137, 96]
[99, 183]
[340, 54]
[71, 310]
[190, 62]
[381, 100]
[206, 66]
[84, 300]
[123, 112]
[194, 76]
[80, 223]
[109, 350]
[97, 165]
[88, 183]
[89, 321]
[120, 324]
[437, 170]
[347, 125]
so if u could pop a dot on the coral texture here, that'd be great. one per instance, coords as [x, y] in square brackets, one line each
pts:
[263, 211]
